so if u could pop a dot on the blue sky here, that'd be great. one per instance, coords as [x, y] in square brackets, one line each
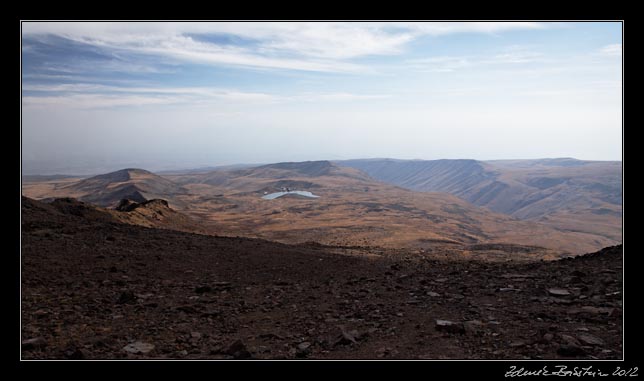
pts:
[102, 96]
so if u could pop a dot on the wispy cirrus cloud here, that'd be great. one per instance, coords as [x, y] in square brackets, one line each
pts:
[321, 47]
[611, 50]
[510, 56]
[91, 95]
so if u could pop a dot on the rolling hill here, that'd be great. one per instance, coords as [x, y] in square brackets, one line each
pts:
[352, 209]
[109, 189]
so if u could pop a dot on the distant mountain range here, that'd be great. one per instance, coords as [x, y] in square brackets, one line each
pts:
[547, 208]
[570, 194]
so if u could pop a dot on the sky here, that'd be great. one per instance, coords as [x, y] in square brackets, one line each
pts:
[104, 96]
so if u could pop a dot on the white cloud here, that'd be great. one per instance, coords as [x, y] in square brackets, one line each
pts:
[444, 28]
[515, 57]
[337, 97]
[88, 96]
[439, 64]
[442, 64]
[321, 47]
[91, 101]
[611, 50]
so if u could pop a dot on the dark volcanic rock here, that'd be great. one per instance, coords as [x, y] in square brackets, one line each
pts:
[238, 350]
[270, 300]
[558, 292]
[36, 342]
[570, 351]
[589, 339]
[203, 289]
[74, 353]
[449, 326]
[303, 349]
[138, 347]
[126, 297]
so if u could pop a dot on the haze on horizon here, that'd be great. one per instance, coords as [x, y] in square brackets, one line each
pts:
[104, 96]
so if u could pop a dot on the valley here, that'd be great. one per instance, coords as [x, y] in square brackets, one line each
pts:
[353, 209]
[567, 194]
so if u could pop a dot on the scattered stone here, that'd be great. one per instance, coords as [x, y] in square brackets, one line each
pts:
[516, 276]
[346, 338]
[36, 342]
[187, 309]
[195, 335]
[596, 310]
[74, 353]
[303, 346]
[126, 297]
[402, 278]
[570, 340]
[303, 349]
[570, 351]
[211, 313]
[561, 301]
[517, 344]
[41, 314]
[138, 347]
[449, 326]
[221, 286]
[383, 352]
[271, 336]
[238, 350]
[589, 339]
[506, 289]
[558, 292]
[203, 289]
[473, 326]
[433, 294]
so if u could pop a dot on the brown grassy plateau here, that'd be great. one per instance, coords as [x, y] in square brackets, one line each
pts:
[352, 210]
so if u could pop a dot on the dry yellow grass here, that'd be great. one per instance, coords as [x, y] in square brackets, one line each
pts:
[352, 210]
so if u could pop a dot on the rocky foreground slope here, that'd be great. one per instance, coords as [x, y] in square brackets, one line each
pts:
[95, 288]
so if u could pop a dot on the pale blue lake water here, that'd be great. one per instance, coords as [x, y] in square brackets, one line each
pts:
[280, 194]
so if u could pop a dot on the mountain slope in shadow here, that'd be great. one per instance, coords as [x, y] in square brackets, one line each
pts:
[131, 183]
[565, 193]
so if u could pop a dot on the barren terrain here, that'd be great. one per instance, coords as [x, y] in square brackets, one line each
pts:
[353, 210]
[95, 288]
